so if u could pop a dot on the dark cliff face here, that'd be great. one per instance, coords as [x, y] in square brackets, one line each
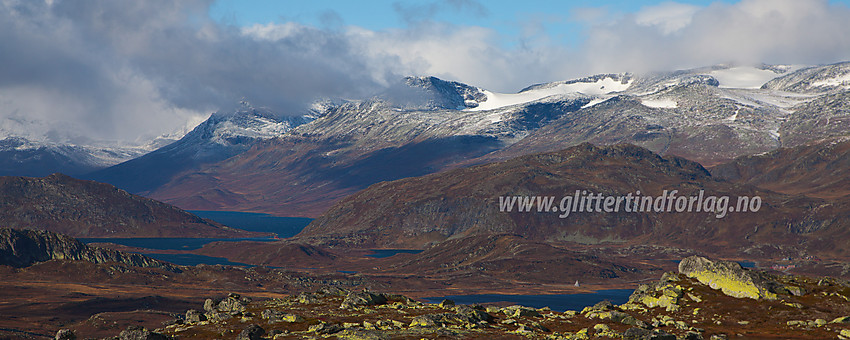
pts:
[89, 209]
[22, 248]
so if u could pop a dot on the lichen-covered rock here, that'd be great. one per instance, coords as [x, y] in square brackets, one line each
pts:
[140, 333]
[276, 316]
[473, 314]
[65, 334]
[521, 311]
[665, 294]
[616, 316]
[194, 316]
[306, 298]
[233, 304]
[427, 320]
[727, 276]
[326, 328]
[357, 299]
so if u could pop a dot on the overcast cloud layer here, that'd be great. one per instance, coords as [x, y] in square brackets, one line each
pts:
[132, 70]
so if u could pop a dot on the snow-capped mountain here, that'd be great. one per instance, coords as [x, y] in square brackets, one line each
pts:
[223, 135]
[423, 125]
[21, 156]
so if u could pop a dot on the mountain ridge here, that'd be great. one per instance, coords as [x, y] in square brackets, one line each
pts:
[82, 208]
[418, 212]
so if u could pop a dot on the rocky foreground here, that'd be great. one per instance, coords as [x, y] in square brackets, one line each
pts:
[705, 300]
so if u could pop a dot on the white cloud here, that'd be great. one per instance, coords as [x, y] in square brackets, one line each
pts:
[751, 31]
[668, 17]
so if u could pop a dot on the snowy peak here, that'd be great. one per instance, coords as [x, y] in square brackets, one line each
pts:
[818, 79]
[246, 123]
[593, 86]
[431, 93]
[596, 84]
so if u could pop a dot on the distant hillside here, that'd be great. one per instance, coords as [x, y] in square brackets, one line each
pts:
[417, 212]
[817, 169]
[82, 208]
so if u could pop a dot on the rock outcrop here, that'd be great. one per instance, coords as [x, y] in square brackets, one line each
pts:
[22, 248]
[727, 276]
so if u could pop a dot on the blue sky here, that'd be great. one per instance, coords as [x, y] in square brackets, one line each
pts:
[509, 18]
[559, 19]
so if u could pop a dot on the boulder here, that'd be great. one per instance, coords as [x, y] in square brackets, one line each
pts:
[276, 316]
[140, 333]
[325, 328]
[65, 334]
[194, 316]
[727, 276]
[233, 304]
[359, 299]
[427, 320]
[645, 334]
[252, 332]
[473, 314]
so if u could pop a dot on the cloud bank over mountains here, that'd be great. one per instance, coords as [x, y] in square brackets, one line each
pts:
[131, 70]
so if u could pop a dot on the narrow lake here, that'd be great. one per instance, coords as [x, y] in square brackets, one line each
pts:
[382, 253]
[168, 243]
[557, 302]
[282, 226]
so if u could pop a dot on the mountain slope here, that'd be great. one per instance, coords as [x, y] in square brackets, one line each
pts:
[425, 125]
[817, 169]
[356, 144]
[81, 208]
[416, 212]
[221, 136]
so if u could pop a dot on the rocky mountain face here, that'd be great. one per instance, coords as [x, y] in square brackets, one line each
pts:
[22, 248]
[418, 212]
[351, 147]
[82, 208]
[424, 125]
[818, 169]
[432, 93]
[223, 135]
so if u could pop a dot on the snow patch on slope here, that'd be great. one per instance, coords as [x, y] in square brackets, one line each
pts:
[743, 77]
[841, 80]
[599, 87]
[595, 101]
[660, 103]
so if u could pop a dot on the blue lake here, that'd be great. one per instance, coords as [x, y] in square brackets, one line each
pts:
[168, 243]
[382, 253]
[282, 226]
[557, 302]
[193, 260]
